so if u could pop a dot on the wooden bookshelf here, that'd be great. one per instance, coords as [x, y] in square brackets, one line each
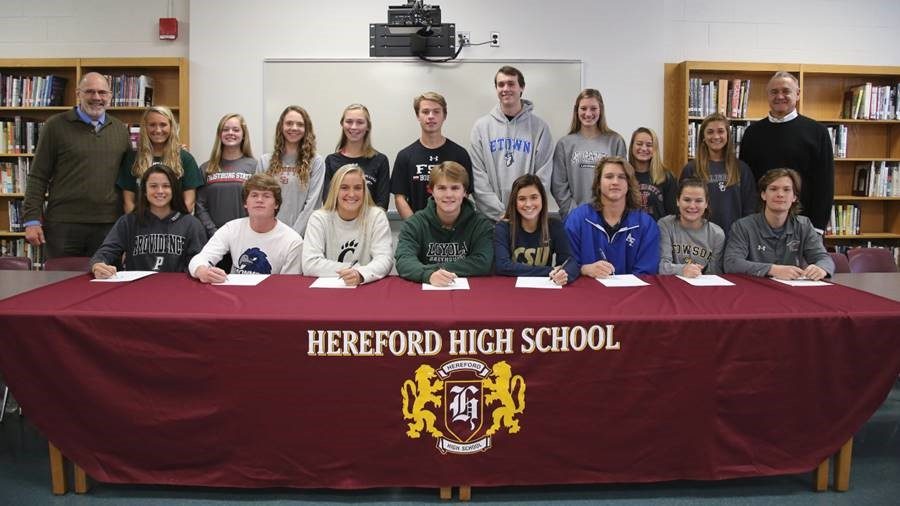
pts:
[170, 88]
[822, 90]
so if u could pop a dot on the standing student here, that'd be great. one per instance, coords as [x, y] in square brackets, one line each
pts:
[576, 155]
[506, 143]
[160, 235]
[527, 242]
[409, 179]
[259, 243]
[349, 237]
[689, 244]
[159, 142]
[448, 238]
[230, 165]
[777, 242]
[355, 146]
[788, 139]
[70, 197]
[732, 191]
[295, 165]
[611, 235]
[657, 184]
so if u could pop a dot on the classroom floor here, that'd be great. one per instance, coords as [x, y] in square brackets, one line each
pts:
[875, 481]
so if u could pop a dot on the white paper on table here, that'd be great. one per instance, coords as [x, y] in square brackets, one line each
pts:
[243, 280]
[801, 282]
[621, 280]
[458, 284]
[330, 283]
[536, 282]
[706, 280]
[125, 276]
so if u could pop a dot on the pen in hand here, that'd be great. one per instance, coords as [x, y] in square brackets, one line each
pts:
[558, 267]
[603, 257]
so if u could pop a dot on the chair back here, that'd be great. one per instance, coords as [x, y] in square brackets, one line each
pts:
[68, 264]
[841, 263]
[871, 260]
[15, 263]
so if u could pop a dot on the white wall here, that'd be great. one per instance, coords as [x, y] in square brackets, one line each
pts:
[89, 28]
[623, 43]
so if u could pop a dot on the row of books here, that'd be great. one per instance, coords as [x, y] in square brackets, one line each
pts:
[728, 97]
[15, 215]
[865, 101]
[19, 247]
[737, 135]
[877, 179]
[844, 220]
[13, 175]
[838, 135]
[19, 135]
[131, 90]
[32, 91]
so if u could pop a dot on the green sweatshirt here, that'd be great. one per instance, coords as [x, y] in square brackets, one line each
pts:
[425, 246]
[77, 168]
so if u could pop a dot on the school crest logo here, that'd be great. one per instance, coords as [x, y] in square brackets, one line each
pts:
[463, 404]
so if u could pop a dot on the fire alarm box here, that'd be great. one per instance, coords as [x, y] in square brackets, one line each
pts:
[168, 28]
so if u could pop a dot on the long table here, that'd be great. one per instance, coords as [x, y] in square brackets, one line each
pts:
[168, 381]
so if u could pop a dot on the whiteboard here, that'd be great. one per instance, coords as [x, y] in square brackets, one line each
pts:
[387, 86]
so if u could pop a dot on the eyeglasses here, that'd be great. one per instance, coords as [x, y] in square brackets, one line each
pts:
[101, 93]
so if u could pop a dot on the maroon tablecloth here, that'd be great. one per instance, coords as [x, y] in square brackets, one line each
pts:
[166, 380]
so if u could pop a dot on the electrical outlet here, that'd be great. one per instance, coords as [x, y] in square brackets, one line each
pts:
[495, 39]
[464, 38]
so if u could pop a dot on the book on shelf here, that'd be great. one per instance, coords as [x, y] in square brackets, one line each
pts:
[134, 135]
[14, 207]
[131, 90]
[32, 91]
[838, 134]
[19, 135]
[877, 179]
[13, 175]
[729, 97]
[873, 102]
[844, 220]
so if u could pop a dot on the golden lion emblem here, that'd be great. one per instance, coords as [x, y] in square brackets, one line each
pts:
[501, 389]
[422, 392]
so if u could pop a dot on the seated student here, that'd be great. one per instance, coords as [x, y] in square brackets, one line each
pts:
[777, 242]
[160, 235]
[448, 238]
[611, 235]
[690, 244]
[258, 243]
[349, 237]
[526, 240]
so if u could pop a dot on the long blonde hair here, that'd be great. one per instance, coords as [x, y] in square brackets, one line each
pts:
[331, 201]
[657, 169]
[732, 168]
[171, 156]
[368, 150]
[215, 158]
[306, 151]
